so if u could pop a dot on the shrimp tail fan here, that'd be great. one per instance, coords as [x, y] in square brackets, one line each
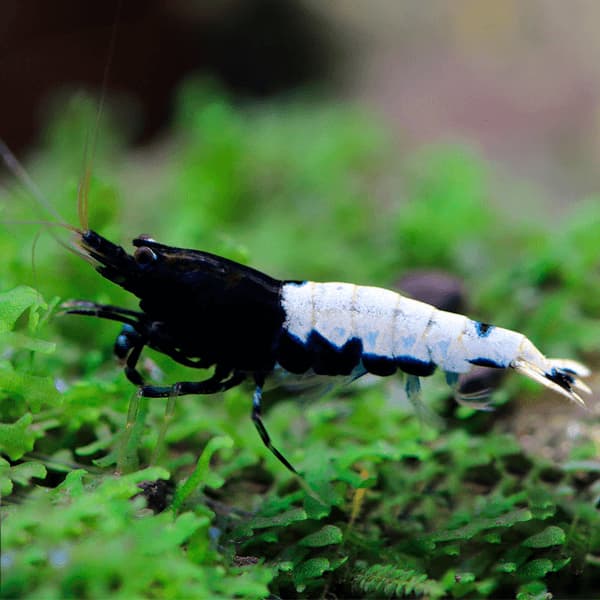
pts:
[561, 375]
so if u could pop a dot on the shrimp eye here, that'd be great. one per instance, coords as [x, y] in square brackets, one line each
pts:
[144, 256]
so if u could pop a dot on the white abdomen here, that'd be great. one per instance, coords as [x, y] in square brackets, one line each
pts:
[391, 326]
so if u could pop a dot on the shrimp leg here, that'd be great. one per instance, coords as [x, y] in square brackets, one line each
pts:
[213, 385]
[260, 426]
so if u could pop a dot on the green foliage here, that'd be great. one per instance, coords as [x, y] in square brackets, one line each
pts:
[98, 544]
[387, 507]
[388, 581]
[447, 206]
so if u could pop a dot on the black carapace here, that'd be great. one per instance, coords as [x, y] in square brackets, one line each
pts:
[199, 309]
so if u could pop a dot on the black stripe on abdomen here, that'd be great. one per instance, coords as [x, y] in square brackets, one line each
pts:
[318, 354]
[326, 358]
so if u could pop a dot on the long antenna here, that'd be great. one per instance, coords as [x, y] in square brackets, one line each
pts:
[84, 183]
[13, 164]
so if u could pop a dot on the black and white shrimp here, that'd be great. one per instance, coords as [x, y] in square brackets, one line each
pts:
[204, 310]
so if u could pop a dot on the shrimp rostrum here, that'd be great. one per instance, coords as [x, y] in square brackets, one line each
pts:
[204, 311]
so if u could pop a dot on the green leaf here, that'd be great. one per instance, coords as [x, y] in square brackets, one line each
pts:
[534, 590]
[329, 534]
[310, 569]
[507, 567]
[16, 439]
[389, 580]
[315, 509]
[73, 483]
[541, 503]
[536, 569]
[38, 391]
[280, 520]
[25, 471]
[20, 340]
[6, 485]
[285, 566]
[477, 525]
[202, 475]
[551, 536]
[14, 303]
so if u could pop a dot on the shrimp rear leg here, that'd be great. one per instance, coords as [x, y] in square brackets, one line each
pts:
[260, 426]
[215, 384]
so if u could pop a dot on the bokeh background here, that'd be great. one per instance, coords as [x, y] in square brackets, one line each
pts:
[518, 80]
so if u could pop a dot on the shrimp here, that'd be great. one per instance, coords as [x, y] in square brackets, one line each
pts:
[203, 311]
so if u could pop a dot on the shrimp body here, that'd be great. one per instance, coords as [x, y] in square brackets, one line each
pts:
[337, 328]
[204, 310]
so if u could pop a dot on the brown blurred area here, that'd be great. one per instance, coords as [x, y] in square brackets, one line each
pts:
[253, 47]
[518, 80]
